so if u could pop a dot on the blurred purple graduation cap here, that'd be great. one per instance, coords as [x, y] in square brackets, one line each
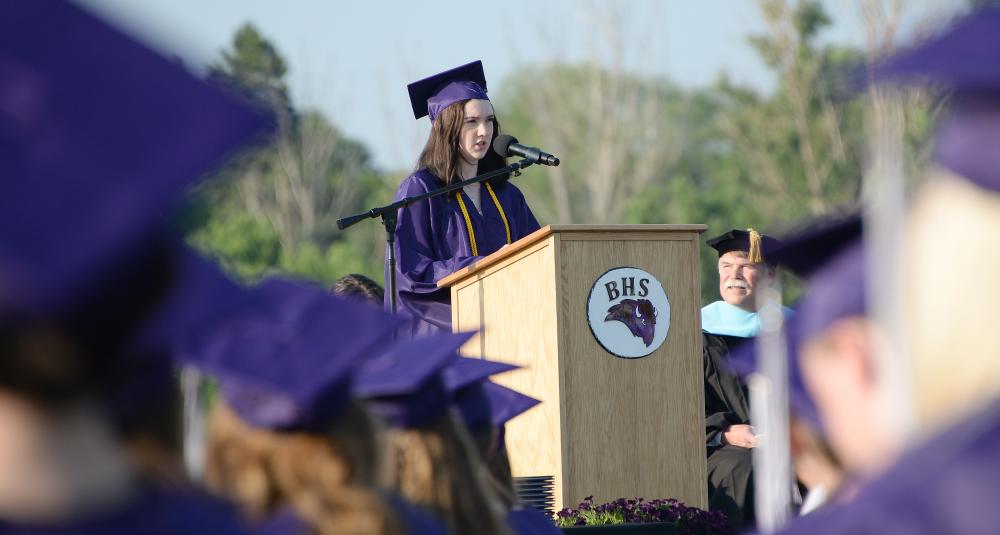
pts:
[813, 246]
[463, 372]
[435, 93]
[287, 361]
[480, 402]
[487, 404]
[830, 253]
[963, 56]
[744, 360]
[196, 299]
[97, 135]
[406, 385]
[966, 59]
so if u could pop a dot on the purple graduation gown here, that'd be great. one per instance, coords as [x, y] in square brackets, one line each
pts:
[415, 521]
[152, 513]
[530, 521]
[951, 484]
[432, 241]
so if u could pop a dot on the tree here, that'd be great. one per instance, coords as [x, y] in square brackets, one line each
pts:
[610, 124]
[274, 210]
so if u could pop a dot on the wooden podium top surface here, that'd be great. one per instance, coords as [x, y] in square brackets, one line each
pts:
[546, 231]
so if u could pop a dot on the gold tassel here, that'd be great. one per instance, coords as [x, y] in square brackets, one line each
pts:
[755, 255]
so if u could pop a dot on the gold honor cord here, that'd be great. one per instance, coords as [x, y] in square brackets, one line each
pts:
[468, 220]
[503, 216]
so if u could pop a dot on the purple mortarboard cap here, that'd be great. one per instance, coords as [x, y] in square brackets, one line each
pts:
[506, 403]
[744, 360]
[463, 372]
[831, 255]
[806, 251]
[97, 135]
[406, 384]
[435, 93]
[836, 291]
[197, 299]
[287, 361]
[966, 59]
[964, 56]
[466, 379]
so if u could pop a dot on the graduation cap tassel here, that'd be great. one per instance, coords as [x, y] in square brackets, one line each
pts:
[754, 255]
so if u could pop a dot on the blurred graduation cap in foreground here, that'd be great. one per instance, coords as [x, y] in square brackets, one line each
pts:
[830, 255]
[965, 59]
[98, 135]
[287, 361]
[406, 385]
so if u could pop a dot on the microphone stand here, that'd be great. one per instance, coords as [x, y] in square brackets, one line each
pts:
[390, 214]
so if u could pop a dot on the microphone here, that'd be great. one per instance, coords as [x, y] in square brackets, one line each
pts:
[506, 145]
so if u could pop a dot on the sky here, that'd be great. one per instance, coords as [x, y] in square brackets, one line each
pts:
[353, 59]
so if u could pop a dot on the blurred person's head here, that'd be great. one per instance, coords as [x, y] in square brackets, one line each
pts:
[359, 288]
[949, 300]
[463, 123]
[743, 271]
[950, 241]
[436, 466]
[88, 409]
[285, 437]
[839, 370]
[432, 460]
[831, 337]
[325, 475]
[485, 408]
[84, 270]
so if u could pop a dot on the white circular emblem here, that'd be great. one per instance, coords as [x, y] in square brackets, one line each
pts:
[628, 312]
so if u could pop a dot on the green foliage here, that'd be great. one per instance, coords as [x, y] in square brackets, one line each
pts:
[254, 66]
[244, 245]
[274, 210]
[312, 262]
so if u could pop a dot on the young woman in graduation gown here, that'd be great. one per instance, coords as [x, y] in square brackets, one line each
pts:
[439, 236]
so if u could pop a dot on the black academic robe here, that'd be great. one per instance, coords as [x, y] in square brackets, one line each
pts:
[730, 468]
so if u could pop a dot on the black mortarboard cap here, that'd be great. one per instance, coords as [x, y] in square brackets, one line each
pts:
[756, 245]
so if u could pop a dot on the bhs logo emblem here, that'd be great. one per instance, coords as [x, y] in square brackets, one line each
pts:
[625, 307]
[639, 315]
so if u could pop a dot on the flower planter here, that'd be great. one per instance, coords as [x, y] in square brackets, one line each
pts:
[654, 528]
[648, 517]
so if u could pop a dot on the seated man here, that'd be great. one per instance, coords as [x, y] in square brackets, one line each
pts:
[743, 274]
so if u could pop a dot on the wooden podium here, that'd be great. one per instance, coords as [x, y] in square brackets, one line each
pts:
[607, 426]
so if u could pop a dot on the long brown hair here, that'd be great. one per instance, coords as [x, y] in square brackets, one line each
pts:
[326, 478]
[437, 467]
[441, 153]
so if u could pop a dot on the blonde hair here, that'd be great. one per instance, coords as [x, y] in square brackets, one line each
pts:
[436, 467]
[950, 303]
[326, 478]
